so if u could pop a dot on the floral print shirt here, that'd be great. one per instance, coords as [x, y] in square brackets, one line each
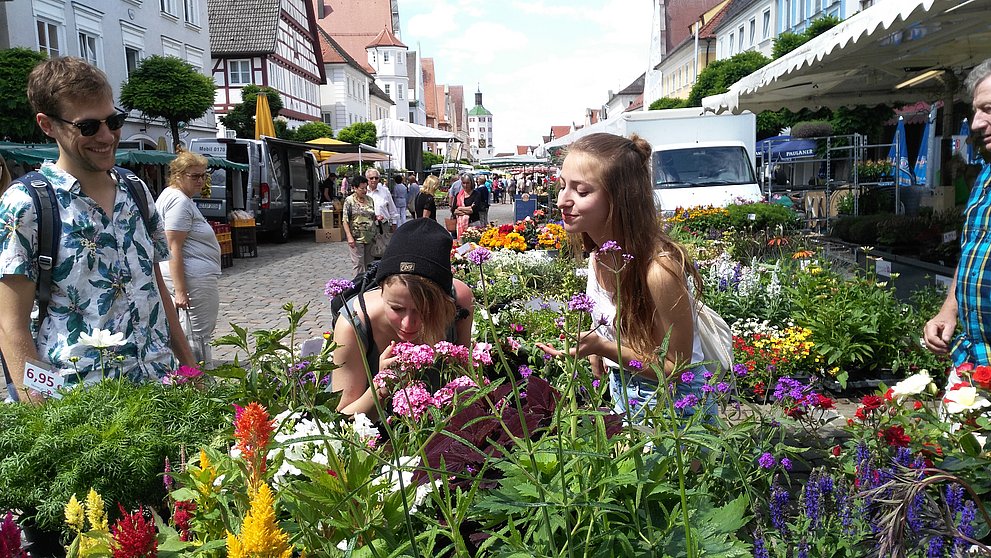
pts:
[361, 218]
[103, 278]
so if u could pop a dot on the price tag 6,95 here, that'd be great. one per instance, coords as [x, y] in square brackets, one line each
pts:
[39, 378]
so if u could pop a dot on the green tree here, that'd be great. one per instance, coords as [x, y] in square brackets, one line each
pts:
[720, 74]
[430, 159]
[16, 117]
[169, 88]
[359, 132]
[668, 103]
[241, 117]
[313, 130]
[788, 41]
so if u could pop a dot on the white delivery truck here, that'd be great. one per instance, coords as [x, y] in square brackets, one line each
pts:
[698, 159]
[281, 187]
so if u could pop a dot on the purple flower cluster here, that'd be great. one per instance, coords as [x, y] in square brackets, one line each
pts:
[787, 387]
[767, 460]
[610, 246]
[779, 507]
[635, 365]
[479, 255]
[581, 302]
[740, 370]
[689, 401]
[525, 371]
[335, 287]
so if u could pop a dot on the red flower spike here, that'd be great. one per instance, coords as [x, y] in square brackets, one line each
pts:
[253, 431]
[133, 536]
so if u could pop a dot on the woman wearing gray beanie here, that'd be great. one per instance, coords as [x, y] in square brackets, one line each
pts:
[418, 301]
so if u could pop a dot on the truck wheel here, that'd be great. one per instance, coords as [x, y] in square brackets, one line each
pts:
[282, 235]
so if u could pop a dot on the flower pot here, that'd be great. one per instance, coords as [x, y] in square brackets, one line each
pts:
[42, 543]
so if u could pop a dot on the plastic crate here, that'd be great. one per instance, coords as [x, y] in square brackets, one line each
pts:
[245, 242]
[226, 260]
[239, 223]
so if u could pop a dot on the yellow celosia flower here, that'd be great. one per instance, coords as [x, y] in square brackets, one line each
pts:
[75, 515]
[260, 536]
[96, 511]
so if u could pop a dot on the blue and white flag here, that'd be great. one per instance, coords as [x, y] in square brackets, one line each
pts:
[898, 155]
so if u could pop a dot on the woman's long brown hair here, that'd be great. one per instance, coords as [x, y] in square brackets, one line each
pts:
[622, 166]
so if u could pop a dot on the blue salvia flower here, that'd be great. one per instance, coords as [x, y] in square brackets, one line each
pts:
[812, 500]
[954, 499]
[915, 523]
[826, 484]
[803, 550]
[779, 508]
[936, 549]
[966, 527]
[903, 457]
[760, 551]
[845, 507]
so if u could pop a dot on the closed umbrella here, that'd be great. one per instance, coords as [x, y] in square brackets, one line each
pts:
[898, 155]
[264, 125]
[922, 162]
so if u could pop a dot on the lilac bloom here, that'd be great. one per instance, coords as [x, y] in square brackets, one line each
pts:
[479, 255]
[581, 302]
[334, 287]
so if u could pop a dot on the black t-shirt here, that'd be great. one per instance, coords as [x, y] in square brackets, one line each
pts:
[425, 202]
[479, 200]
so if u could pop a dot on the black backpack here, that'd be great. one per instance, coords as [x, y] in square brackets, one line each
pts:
[50, 235]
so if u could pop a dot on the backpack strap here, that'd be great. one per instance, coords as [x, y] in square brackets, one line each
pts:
[138, 193]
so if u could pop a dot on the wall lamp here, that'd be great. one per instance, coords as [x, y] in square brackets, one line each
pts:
[923, 77]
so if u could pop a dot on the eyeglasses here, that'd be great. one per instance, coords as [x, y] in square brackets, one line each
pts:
[194, 176]
[373, 178]
[91, 126]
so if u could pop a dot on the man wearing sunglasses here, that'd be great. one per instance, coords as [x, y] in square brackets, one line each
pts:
[104, 275]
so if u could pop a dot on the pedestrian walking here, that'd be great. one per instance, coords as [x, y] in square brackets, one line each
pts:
[359, 221]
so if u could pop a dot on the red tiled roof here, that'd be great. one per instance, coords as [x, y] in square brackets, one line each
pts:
[560, 131]
[333, 53]
[637, 104]
[354, 25]
[429, 89]
[385, 38]
[708, 30]
[522, 149]
[458, 100]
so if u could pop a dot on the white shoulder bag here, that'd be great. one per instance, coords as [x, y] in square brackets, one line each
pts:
[716, 340]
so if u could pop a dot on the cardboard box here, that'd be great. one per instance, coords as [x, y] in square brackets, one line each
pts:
[330, 235]
[330, 219]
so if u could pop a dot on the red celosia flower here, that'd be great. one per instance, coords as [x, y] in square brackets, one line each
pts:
[895, 436]
[10, 538]
[181, 515]
[253, 430]
[133, 536]
[871, 402]
[982, 376]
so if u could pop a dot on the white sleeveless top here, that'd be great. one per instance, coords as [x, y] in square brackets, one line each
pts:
[604, 311]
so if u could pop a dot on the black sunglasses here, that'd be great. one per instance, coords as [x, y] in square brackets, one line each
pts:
[91, 126]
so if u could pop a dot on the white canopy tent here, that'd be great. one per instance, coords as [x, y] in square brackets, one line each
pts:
[896, 50]
[405, 141]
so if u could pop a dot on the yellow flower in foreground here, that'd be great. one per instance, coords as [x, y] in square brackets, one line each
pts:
[75, 515]
[260, 535]
[96, 511]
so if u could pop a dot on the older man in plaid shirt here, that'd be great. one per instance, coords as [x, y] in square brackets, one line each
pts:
[968, 299]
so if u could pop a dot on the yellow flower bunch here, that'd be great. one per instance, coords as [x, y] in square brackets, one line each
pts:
[682, 215]
[494, 240]
[552, 235]
[260, 536]
[94, 511]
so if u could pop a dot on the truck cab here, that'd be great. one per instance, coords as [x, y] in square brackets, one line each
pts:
[704, 173]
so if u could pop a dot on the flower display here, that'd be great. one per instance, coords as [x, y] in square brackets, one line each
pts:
[526, 234]
[765, 353]
[260, 535]
[134, 536]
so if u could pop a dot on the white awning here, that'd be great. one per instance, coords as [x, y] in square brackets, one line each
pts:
[864, 58]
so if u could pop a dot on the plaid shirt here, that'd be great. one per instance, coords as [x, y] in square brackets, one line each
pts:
[973, 279]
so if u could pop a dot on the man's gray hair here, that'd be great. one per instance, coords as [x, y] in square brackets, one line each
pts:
[980, 72]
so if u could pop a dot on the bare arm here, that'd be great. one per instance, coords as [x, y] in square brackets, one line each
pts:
[177, 267]
[180, 346]
[938, 331]
[466, 300]
[17, 298]
[350, 378]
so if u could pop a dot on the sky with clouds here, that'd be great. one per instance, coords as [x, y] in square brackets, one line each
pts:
[539, 63]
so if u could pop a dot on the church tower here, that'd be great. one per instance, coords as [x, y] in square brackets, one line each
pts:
[480, 129]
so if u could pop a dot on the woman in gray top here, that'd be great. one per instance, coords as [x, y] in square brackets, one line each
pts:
[193, 271]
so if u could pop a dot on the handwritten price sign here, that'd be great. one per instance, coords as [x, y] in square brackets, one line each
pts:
[42, 380]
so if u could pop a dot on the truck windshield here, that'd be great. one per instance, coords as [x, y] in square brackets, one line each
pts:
[702, 166]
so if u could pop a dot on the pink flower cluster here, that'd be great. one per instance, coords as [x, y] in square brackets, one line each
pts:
[183, 375]
[481, 352]
[413, 400]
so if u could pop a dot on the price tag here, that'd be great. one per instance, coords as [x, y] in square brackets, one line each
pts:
[949, 236]
[39, 378]
[882, 267]
[751, 216]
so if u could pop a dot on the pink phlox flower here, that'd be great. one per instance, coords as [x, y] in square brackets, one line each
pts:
[514, 345]
[412, 401]
[610, 246]
[385, 379]
[480, 352]
[454, 354]
[413, 357]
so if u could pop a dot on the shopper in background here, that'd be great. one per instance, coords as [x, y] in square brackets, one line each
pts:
[193, 271]
[359, 225]
[426, 205]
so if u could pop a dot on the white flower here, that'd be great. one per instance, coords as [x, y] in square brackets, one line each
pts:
[364, 428]
[102, 338]
[964, 399]
[389, 475]
[913, 385]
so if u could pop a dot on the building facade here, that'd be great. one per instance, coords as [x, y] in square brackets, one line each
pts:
[272, 43]
[387, 58]
[345, 98]
[116, 35]
[480, 129]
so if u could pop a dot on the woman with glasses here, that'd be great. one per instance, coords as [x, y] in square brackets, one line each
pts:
[360, 225]
[193, 271]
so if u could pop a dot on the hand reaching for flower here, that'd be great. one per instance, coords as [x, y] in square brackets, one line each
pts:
[589, 343]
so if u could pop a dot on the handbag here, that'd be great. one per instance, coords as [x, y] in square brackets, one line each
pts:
[380, 241]
[716, 340]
